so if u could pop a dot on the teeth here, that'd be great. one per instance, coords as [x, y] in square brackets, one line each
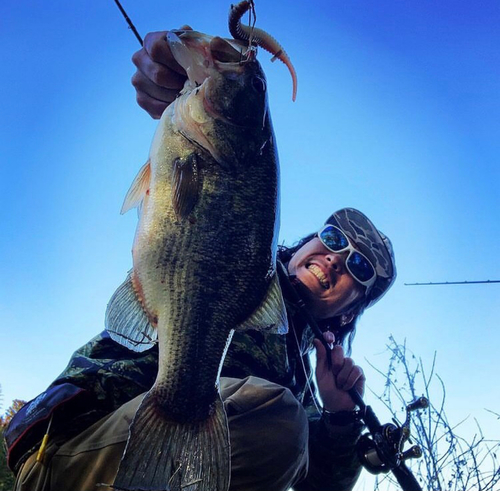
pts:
[323, 281]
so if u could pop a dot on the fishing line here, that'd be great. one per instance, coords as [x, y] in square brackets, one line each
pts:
[251, 15]
[307, 376]
[298, 302]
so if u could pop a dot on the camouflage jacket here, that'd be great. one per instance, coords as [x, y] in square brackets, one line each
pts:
[102, 375]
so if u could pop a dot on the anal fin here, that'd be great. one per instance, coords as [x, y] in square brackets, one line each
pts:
[127, 322]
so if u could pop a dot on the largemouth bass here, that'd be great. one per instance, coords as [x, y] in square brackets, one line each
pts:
[204, 262]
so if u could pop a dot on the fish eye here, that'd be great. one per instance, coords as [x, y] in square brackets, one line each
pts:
[259, 84]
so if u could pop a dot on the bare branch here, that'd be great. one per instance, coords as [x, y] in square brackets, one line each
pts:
[450, 462]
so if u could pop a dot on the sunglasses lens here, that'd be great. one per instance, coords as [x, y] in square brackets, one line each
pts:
[360, 267]
[357, 264]
[334, 239]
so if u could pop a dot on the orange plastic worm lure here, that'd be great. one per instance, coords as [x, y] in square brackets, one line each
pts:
[259, 37]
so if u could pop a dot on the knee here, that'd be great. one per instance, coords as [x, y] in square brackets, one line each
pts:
[266, 413]
[269, 435]
[288, 423]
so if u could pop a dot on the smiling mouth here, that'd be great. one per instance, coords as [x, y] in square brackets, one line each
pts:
[316, 271]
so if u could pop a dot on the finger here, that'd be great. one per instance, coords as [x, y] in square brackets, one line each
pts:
[158, 49]
[153, 107]
[337, 359]
[344, 373]
[150, 97]
[355, 379]
[186, 27]
[359, 385]
[321, 358]
[329, 337]
[157, 73]
[142, 84]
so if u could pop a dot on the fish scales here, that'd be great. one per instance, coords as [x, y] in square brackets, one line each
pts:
[203, 263]
[219, 284]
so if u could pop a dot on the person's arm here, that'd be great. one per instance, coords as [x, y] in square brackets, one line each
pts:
[158, 78]
[110, 373]
[333, 462]
[100, 377]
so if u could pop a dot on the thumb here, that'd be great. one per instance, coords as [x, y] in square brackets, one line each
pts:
[321, 357]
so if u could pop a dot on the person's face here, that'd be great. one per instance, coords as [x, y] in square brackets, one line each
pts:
[331, 288]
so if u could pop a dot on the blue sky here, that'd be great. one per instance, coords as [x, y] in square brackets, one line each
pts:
[397, 114]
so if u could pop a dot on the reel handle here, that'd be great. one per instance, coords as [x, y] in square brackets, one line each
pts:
[414, 452]
[420, 403]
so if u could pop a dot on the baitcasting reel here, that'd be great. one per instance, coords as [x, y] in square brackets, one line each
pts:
[381, 450]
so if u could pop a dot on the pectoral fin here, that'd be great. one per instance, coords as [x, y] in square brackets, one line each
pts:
[271, 315]
[138, 189]
[186, 185]
[127, 322]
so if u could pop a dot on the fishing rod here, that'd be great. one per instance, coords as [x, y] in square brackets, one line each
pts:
[129, 22]
[381, 449]
[452, 283]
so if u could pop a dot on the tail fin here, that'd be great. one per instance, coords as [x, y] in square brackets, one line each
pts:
[163, 455]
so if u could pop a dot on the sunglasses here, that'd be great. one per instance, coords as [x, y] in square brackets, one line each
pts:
[358, 265]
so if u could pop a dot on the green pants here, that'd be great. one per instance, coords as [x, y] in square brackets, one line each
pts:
[268, 430]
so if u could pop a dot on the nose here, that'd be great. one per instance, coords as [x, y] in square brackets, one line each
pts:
[335, 261]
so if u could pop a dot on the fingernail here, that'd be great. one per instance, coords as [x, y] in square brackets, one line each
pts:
[329, 337]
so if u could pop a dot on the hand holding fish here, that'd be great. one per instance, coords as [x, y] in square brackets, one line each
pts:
[158, 78]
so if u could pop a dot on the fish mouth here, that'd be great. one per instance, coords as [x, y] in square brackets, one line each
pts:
[197, 53]
[320, 275]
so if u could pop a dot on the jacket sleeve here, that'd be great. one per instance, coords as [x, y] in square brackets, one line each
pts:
[333, 462]
[100, 377]
[109, 372]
